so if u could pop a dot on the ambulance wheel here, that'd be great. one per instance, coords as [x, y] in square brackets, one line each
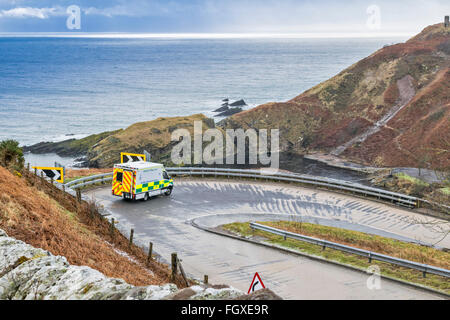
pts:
[168, 192]
[146, 196]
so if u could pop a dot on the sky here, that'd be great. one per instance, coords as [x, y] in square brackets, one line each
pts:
[223, 16]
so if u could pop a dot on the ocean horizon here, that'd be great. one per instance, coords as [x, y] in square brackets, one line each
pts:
[57, 88]
[190, 35]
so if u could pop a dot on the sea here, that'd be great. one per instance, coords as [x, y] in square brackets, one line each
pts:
[56, 88]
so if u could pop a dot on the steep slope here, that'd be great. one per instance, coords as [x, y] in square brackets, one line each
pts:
[390, 109]
[31, 215]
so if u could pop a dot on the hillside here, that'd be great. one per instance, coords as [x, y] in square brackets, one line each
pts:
[153, 136]
[28, 213]
[389, 109]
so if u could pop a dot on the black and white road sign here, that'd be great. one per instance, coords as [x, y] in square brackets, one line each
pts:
[257, 284]
[131, 157]
[55, 173]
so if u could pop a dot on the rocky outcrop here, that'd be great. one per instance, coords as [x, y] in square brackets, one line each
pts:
[223, 108]
[238, 103]
[263, 294]
[229, 112]
[30, 273]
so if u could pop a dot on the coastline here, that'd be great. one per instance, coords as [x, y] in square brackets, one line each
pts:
[49, 159]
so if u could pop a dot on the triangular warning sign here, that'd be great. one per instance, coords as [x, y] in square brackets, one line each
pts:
[257, 284]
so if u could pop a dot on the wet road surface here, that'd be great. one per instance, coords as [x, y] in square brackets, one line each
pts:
[166, 221]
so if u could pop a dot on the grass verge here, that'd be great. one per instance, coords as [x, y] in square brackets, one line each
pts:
[413, 180]
[379, 244]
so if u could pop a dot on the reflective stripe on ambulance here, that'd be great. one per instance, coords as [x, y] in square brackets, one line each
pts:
[155, 185]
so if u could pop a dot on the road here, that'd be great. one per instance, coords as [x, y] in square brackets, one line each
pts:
[166, 221]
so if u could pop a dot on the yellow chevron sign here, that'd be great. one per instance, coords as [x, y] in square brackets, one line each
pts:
[126, 157]
[55, 173]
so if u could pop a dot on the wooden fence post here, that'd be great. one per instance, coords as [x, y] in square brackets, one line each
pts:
[174, 266]
[92, 210]
[131, 237]
[112, 228]
[150, 251]
[78, 195]
[205, 279]
[182, 273]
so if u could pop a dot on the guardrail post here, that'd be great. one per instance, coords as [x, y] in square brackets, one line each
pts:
[150, 250]
[370, 257]
[174, 266]
[424, 273]
[131, 237]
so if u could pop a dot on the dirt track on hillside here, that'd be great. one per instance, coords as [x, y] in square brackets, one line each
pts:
[406, 94]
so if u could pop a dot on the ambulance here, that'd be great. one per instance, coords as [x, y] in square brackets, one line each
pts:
[140, 180]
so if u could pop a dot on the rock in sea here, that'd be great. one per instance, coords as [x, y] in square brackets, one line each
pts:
[229, 112]
[238, 103]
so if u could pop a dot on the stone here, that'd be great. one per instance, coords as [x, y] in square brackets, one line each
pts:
[229, 112]
[263, 294]
[238, 103]
[28, 273]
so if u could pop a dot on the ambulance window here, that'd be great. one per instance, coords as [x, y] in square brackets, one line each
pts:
[119, 176]
[165, 175]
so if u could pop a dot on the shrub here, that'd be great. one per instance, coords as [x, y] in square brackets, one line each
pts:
[11, 155]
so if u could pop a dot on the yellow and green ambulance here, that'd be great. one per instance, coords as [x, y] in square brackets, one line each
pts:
[141, 180]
